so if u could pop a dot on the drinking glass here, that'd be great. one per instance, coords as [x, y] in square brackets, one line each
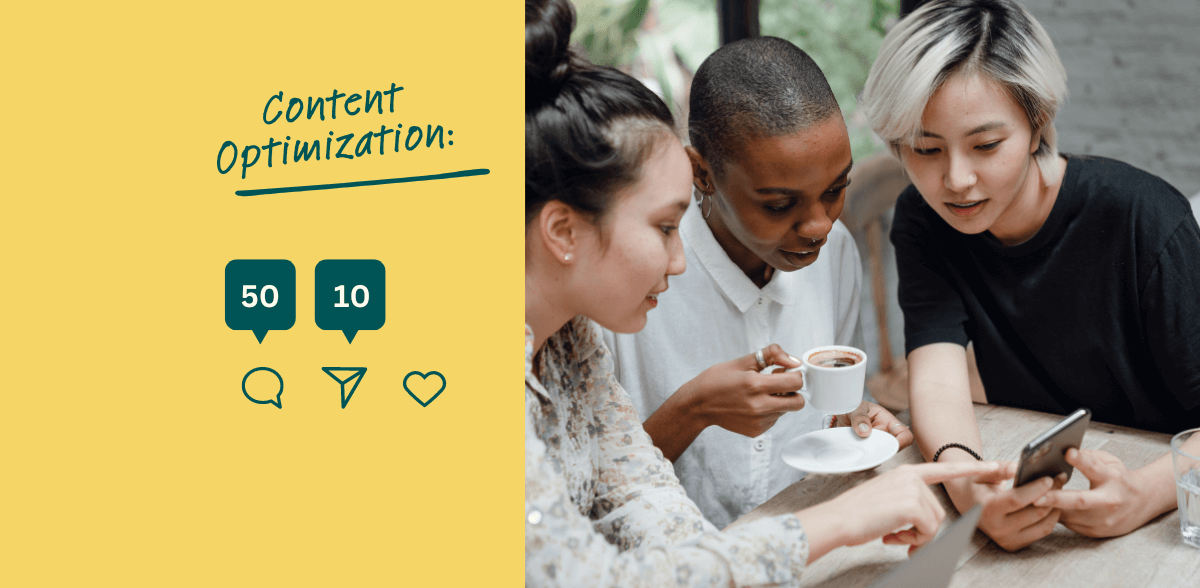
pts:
[1187, 485]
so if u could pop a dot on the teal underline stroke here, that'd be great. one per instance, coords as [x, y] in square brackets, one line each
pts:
[446, 176]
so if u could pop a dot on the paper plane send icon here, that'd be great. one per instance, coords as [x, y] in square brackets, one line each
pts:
[346, 375]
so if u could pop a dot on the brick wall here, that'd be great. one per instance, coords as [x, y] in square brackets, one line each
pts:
[1133, 71]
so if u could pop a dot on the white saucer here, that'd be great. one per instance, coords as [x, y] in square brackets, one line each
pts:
[839, 451]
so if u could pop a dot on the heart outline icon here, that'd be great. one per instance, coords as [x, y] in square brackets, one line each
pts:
[424, 376]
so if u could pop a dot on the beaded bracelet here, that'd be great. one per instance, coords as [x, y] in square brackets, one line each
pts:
[958, 445]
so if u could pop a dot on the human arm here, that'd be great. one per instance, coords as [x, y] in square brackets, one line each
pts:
[732, 395]
[935, 329]
[639, 503]
[636, 527]
[897, 506]
[942, 413]
[563, 548]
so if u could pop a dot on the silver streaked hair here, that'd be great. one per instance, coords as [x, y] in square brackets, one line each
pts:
[997, 39]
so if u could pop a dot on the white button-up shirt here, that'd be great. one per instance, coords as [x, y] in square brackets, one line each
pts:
[713, 313]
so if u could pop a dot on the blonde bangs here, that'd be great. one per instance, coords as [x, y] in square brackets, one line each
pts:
[997, 39]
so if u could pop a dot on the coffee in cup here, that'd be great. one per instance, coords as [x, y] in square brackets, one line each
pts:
[833, 378]
[835, 358]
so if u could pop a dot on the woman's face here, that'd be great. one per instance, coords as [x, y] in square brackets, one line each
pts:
[974, 156]
[777, 198]
[623, 265]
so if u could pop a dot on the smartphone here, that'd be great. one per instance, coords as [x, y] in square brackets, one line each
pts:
[1046, 455]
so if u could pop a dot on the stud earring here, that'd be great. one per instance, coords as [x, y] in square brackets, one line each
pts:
[568, 257]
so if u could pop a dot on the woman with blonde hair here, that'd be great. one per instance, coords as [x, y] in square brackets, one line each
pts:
[1076, 278]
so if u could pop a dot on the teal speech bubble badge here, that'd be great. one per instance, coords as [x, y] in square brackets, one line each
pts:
[424, 377]
[344, 376]
[277, 400]
[350, 296]
[260, 295]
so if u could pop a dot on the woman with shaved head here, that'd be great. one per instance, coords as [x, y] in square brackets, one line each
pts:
[771, 269]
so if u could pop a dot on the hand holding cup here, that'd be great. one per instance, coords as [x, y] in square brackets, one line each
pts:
[735, 396]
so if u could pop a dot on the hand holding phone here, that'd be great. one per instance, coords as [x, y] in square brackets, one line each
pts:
[1046, 454]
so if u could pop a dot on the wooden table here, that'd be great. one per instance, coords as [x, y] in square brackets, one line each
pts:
[1154, 555]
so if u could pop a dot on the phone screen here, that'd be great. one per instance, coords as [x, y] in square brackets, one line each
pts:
[1046, 454]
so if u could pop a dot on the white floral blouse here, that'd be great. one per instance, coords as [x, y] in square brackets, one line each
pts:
[602, 505]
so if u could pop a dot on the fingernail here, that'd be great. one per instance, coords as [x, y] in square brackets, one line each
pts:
[1041, 501]
[793, 358]
[863, 428]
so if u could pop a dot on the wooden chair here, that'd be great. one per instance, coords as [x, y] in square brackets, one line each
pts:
[875, 183]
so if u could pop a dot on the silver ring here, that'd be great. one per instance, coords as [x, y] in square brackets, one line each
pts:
[892, 429]
[758, 356]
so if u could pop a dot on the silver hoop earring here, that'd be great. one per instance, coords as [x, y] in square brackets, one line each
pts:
[704, 196]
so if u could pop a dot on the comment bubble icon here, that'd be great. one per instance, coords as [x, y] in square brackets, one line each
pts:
[350, 295]
[265, 388]
[260, 295]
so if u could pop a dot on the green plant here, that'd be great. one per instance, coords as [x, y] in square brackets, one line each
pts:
[843, 37]
[607, 29]
[612, 33]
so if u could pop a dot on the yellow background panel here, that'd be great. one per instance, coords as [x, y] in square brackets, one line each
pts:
[128, 454]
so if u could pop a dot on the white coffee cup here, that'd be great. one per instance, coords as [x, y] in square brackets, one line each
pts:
[833, 390]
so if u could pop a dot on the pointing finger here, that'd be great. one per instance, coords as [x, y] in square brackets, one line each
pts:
[1006, 471]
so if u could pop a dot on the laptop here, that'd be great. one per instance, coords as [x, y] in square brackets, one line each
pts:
[935, 563]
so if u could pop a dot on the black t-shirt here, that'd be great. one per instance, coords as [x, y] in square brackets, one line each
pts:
[1100, 309]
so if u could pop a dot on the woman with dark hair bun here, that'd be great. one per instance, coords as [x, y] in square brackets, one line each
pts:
[607, 183]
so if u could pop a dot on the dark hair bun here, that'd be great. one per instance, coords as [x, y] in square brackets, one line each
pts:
[579, 149]
[548, 56]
